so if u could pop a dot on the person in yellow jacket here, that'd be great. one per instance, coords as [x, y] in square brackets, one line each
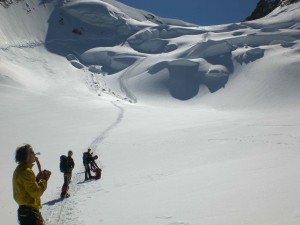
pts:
[27, 189]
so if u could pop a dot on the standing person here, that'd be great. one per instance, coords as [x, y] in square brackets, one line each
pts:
[67, 175]
[27, 189]
[87, 158]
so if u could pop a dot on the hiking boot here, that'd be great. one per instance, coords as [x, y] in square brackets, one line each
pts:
[65, 195]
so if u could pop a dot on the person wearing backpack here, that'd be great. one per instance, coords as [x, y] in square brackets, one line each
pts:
[67, 170]
[87, 158]
[27, 188]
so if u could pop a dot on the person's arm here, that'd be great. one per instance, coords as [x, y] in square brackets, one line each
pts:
[73, 164]
[34, 188]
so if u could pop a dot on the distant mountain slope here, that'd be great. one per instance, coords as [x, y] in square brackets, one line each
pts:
[264, 7]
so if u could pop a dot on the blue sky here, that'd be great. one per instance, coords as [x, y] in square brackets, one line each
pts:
[201, 12]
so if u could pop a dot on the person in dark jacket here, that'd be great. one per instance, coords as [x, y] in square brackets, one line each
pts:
[87, 158]
[67, 176]
[27, 189]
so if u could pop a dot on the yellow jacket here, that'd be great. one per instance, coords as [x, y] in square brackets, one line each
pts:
[27, 191]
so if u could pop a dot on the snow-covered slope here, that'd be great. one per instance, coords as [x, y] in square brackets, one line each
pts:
[193, 125]
[24, 24]
[106, 37]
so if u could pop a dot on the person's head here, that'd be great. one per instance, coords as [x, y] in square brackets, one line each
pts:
[70, 153]
[25, 154]
[89, 150]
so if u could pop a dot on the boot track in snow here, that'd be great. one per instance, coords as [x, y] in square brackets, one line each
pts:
[64, 211]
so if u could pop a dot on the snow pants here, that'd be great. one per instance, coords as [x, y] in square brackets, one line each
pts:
[65, 187]
[29, 216]
[87, 174]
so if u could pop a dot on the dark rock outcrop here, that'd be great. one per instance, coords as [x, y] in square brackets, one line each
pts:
[264, 7]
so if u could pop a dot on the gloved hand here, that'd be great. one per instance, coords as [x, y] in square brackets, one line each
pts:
[45, 174]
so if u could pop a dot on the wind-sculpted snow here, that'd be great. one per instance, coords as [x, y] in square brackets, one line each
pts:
[155, 40]
[153, 46]
[144, 16]
[187, 76]
[184, 79]
[208, 49]
[104, 23]
[109, 38]
[112, 60]
[82, 25]
[250, 55]
[96, 13]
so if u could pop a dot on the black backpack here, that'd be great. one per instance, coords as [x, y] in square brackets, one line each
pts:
[63, 163]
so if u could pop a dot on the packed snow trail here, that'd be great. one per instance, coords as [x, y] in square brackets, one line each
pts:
[104, 134]
[129, 73]
[64, 211]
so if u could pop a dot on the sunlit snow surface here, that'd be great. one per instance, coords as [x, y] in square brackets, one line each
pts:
[192, 125]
